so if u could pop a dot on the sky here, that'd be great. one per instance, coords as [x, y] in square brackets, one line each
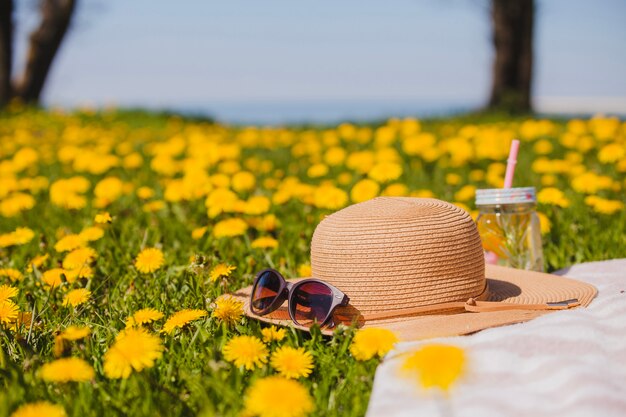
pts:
[232, 57]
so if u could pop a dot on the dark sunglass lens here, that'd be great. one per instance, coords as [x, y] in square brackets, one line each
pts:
[265, 291]
[311, 302]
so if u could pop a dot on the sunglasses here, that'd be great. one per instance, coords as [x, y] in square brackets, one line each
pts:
[309, 301]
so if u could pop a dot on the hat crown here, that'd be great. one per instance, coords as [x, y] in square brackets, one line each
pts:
[391, 253]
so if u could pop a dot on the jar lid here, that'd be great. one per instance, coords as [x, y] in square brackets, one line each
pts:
[493, 196]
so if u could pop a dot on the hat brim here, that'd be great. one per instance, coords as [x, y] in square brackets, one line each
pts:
[505, 284]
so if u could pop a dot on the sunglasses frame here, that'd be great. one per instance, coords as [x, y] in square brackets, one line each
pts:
[288, 289]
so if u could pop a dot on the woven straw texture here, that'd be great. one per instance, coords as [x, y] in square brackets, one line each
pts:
[393, 253]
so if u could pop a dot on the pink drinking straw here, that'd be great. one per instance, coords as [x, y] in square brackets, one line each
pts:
[510, 166]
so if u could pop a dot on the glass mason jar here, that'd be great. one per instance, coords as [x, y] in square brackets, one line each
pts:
[509, 227]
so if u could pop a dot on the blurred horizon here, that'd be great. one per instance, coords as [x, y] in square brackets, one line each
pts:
[278, 62]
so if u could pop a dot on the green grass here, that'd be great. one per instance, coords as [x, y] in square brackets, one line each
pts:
[192, 378]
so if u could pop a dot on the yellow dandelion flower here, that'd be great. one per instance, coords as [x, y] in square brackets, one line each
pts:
[220, 200]
[245, 351]
[368, 343]
[344, 178]
[149, 260]
[317, 170]
[69, 242]
[133, 160]
[239, 206]
[329, 197]
[15, 204]
[79, 257]
[91, 234]
[40, 409]
[396, 190]
[272, 333]
[84, 271]
[103, 218]
[476, 175]
[22, 235]
[19, 236]
[385, 172]
[143, 316]
[134, 348]
[466, 193]
[6, 292]
[608, 206]
[66, 192]
[12, 274]
[145, 193]
[590, 183]
[198, 232]
[228, 309]
[304, 270]
[264, 242]
[553, 196]
[77, 297]
[22, 319]
[37, 262]
[543, 147]
[243, 181]
[270, 183]
[435, 365]
[153, 206]
[8, 311]
[292, 362]
[181, 318]
[604, 206]
[221, 271]
[75, 333]
[453, 179]
[66, 370]
[423, 194]
[53, 277]
[361, 162]
[108, 190]
[364, 190]
[267, 223]
[260, 399]
[257, 205]
[230, 228]
[612, 152]
[335, 156]
[548, 180]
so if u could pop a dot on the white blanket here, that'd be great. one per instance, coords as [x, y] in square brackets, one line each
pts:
[568, 363]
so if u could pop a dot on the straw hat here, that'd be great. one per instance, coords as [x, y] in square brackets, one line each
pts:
[416, 266]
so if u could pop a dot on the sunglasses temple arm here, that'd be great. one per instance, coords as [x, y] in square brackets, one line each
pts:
[330, 321]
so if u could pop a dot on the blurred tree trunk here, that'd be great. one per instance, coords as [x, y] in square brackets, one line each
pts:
[45, 41]
[6, 51]
[513, 22]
